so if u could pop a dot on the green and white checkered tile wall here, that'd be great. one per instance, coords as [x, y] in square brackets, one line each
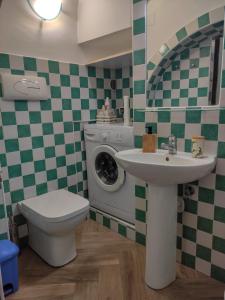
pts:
[201, 228]
[186, 81]
[42, 142]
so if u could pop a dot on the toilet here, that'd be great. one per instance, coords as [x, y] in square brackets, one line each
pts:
[52, 218]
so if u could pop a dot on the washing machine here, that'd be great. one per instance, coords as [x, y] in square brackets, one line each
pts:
[110, 188]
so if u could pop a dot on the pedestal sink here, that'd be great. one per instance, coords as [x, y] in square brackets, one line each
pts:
[163, 172]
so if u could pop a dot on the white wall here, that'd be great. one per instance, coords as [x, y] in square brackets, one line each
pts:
[165, 18]
[23, 33]
[97, 18]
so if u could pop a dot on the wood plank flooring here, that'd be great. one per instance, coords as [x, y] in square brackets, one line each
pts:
[107, 267]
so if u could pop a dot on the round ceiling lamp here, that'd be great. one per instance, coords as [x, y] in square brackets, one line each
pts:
[46, 9]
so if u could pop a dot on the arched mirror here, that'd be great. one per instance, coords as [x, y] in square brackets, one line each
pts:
[187, 69]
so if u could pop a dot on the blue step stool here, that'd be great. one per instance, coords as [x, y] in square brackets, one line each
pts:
[9, 266]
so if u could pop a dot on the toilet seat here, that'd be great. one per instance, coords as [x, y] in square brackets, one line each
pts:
[55, 206]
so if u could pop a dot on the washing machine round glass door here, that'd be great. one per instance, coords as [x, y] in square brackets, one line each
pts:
[107, 173]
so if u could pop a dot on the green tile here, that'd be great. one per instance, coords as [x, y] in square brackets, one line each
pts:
[140, 238]
[44, 75]
[218, 273]
[138, 141]
[39, 166]
[164, 116]
[41, 189]
[221, 150]
[59, 139]
[119, 73]
[17, 196]
[14, 171]
[220, 183]
[139, 57]
[184, 74]
[189, 233]
[185, 54]
[139, 116]
[222, 117]
[57, 116]
[203, 253]
[191, 206]
[167, 76]
[223, 79]
[28, 180]
[91, 71]
[206, 195]
[4, 61]
[62, 183]
[126, 83]
[106, 221]
[53, 66]
[122, 230]
[107, 73]
[83, 82]
[61, 161]
[139, 87]
[49, 152]
[205, 225]
[219, 214]
[55, 92]
[26, 156]
[8, 118]
[46, 105]
[65, 80]
[193, 83]
[92, 93]
[181, 34]
[204, 51]
[93, 215]
[166, 94]
[175, 84]
[21, 105]
[150, 65]
[140, 215]
[210, 131]
[66, 104]
[51, 174]
[70, 149]
[194, 63]
[175, 65]
[47, 128]
[23, 131]
[139, 26]
[74, 69]
[37, 142]
[203, 92]
[204, 72]
[174, 102]
[203, 20]
[100, 83]
[11, 145]
[184, 93]
[187, 145]
[188, 260]
[219, 244]
[178, 130]
[30, 64]
[35, 117]
[140, 191]
[193, 116]
[68, 127]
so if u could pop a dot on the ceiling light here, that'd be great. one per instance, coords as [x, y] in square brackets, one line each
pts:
[46, 9]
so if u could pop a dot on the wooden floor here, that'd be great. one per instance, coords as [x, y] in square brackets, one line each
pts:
[108, 266]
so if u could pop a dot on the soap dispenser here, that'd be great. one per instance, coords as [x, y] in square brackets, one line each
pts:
[149, 140]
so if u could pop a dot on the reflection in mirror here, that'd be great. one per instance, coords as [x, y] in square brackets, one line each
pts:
[188, 74]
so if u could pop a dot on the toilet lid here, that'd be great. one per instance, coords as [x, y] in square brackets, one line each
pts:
[57, 205]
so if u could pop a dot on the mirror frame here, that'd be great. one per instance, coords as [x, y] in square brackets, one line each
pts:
[166, 50]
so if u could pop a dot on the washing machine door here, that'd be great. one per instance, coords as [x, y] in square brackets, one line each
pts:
[107, 173]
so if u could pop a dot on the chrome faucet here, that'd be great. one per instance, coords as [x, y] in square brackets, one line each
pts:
[171, 146]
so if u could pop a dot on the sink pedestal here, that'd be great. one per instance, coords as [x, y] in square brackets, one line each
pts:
[161, 236]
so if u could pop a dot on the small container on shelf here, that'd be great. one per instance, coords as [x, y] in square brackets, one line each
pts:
[198, 146]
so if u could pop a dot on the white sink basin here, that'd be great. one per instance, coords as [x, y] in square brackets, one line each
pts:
[163, 169]
[163, 172]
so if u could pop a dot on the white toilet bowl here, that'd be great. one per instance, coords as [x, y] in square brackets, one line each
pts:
[52, 218]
